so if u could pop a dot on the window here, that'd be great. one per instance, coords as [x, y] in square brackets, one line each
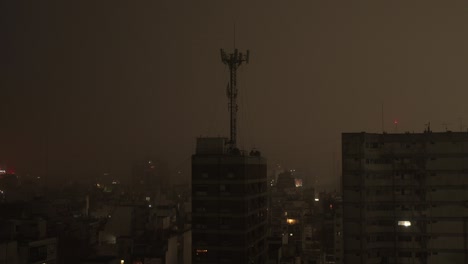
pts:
[404, 254]
[404, 223]
[37, 254]
[404, 238]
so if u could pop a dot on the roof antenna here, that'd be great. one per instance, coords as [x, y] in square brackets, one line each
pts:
[233, 61]
[234, 33]
[382, 119]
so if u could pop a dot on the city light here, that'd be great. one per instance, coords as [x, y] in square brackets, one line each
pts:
[122, 261]
[201, 251]
[2, 171]
[317, 199]
[291, 221]
[404, 223]
[298, 182]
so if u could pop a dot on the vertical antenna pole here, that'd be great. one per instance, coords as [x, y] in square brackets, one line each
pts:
[234, 35]
[382, 119]
[233, 60]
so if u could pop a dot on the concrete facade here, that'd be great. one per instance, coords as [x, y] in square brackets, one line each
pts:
[405, 197]
[229, 201]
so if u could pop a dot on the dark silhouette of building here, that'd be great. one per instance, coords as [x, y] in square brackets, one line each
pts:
[285, 181]
[229, 196]
[147, 177]
[405, 197]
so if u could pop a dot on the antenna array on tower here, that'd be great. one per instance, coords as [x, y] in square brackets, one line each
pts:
[233, 60]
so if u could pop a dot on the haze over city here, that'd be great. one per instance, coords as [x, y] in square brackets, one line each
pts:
[97, 84]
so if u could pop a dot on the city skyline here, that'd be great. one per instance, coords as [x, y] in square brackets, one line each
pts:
[99, 85]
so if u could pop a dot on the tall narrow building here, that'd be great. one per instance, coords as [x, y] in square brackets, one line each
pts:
[405, 197]
[229, 192]
[229, 201]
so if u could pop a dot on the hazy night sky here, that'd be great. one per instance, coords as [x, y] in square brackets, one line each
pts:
[115, 81]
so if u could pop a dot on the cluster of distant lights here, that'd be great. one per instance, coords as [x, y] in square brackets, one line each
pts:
[3, 171]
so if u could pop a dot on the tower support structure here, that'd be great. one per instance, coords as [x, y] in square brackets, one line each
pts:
[233, 61]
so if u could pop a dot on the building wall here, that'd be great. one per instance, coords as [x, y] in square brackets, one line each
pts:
[9, 252]
[229, 208]
[419, 178]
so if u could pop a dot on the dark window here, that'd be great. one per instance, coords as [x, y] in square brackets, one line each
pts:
[37, 254]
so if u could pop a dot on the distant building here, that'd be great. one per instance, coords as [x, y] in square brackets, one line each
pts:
[147, 177]
[25, 240]
[405, 197]
[8, 182]
[285, 181]
[229, 197]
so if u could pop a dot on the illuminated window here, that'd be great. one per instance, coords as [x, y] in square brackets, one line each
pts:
[404, 223]
[201, 251]
[291, 221]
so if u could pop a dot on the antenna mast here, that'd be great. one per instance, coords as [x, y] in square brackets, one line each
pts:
[233, 60]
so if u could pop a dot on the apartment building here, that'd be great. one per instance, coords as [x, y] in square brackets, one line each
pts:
[405, 197]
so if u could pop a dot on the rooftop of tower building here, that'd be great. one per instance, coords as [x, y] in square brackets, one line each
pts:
[220, 146]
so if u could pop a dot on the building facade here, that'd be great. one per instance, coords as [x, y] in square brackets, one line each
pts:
[405, 197]
[229, 204]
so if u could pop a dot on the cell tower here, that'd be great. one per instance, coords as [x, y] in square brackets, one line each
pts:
[233, 60]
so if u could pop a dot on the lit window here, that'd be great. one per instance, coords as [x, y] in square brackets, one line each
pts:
[201, 251]
[404, 223]
[291, 221]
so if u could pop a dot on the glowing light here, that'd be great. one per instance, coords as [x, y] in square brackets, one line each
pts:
[404, 223]
[290, 234]
[291, 221]
[2, 171]
[298, 182]
[395, 122]
[122, 261]
[149, 205]
[148, 198]
[201, 251]
[317, 199]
